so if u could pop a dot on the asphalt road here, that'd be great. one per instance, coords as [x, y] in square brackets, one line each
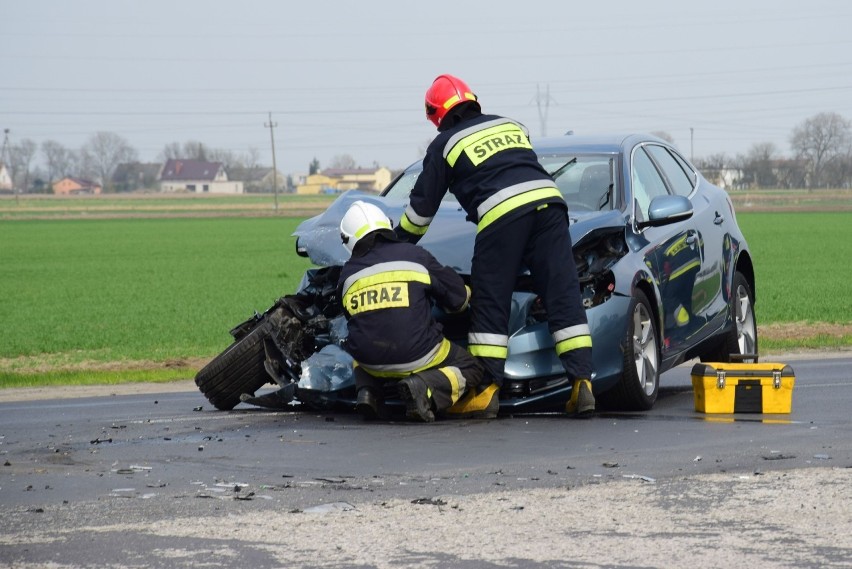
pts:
[165, 480]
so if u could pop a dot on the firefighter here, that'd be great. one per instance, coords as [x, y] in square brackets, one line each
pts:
[386, 289]
[488, 163]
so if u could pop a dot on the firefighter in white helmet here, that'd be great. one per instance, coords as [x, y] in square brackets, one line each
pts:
[386, 289]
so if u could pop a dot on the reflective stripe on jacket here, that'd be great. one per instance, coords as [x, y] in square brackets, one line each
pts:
[386, 296]
[488, 163]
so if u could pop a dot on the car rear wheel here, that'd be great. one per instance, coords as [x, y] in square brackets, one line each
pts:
[239, 369]
[741, 337]
[640, 381]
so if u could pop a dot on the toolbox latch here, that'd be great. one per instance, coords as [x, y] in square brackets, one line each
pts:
[776, 379]
[720, 379]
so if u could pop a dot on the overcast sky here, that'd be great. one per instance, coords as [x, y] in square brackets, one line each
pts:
[348, 77]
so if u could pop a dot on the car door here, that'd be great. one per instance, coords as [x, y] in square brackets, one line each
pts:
[675, 255]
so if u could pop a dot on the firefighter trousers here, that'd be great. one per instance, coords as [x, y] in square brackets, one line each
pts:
[447, 380]
[539, 241]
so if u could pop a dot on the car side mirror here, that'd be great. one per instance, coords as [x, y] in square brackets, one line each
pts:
[667, 209]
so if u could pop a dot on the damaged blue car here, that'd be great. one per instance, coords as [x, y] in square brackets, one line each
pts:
[664, 270]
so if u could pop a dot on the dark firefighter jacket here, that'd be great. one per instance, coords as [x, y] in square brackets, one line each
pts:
[385, 291]
[488, 163]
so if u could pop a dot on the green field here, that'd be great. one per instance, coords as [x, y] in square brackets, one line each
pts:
[111, 299]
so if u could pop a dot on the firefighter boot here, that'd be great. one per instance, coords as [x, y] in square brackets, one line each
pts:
[367, 404]
[415, 393]
[582, 402]
[477, 404]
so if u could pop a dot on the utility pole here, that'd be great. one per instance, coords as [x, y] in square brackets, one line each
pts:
[542, 115]
[691, 145]
[271, 126]
[4, 159]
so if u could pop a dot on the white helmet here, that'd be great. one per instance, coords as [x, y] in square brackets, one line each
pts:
[361, 218]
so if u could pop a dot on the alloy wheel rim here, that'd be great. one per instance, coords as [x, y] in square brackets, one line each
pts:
[644, 349]
[746, 326]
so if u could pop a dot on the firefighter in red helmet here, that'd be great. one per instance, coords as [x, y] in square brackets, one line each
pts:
[488, 163]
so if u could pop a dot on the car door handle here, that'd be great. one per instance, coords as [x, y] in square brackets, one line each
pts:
[718, 219]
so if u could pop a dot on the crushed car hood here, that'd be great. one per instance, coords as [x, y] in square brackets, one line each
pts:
[450, 237]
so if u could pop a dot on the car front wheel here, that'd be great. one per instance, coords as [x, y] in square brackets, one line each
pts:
[640, 380]
[741, 337]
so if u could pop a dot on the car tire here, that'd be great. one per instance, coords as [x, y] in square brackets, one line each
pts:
[637, 388]
[741, 338]
[239, 369]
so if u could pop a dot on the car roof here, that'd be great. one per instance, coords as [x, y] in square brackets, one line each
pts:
[610, 143]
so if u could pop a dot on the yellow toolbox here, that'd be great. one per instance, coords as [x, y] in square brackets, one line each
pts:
[743, 387]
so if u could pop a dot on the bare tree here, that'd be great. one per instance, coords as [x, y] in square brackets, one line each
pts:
[59, 160]
[760, 164]
[20, 158]
[103, 152]
[715, 168]
[226, 157]
[251, 158]
[343, 162]
[820, 139]
[171, 151]
[194, 150]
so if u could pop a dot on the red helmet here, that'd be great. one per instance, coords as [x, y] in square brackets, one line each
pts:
[445, 93]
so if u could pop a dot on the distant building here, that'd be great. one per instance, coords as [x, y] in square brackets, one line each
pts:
[335, 181]
[5, 178]
[197, 176]
[70, 186]
[133, 176]
[258, 179]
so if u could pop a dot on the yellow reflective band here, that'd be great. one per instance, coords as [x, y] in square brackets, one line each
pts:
[371, 227]
[406, 224]
[573, 344]
[483, 351]
[454, 382]
[440, 356]
[390, 277]
[485, 143]
[455, 98]
[693, 265]
[376, 297]
[515, 202]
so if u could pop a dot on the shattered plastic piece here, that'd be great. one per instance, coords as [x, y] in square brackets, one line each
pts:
[610, 465]
[822, 457]
[338, 330]
[330, 369]
[328, 508]
[697, 458]
[429, 501]
[642, 478]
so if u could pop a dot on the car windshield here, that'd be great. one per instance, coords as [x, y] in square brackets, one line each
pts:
[584, 180]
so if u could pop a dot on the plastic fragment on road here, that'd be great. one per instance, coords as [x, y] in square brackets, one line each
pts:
[329, 369]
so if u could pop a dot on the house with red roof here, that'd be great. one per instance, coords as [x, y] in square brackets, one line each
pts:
[71, 186]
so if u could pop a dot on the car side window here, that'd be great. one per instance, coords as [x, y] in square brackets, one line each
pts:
[682, 182]
[647, 183]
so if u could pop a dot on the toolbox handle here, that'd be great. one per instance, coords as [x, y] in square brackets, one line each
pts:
[742, 357]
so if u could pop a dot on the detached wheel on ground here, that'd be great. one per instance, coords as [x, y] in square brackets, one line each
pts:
[640, 380]
[237, 370]
[741, 338]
